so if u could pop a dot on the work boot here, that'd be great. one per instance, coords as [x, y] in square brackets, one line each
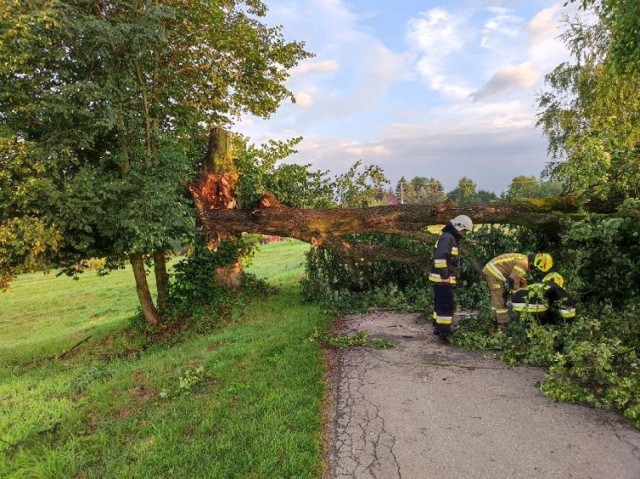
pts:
[442, 331]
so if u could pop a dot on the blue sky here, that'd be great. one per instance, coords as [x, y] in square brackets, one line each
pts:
[419, 88]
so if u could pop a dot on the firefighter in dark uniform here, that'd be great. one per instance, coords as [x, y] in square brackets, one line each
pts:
[548, 302]
[444, 272]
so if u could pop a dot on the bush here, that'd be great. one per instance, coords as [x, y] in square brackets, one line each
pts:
[352, 286]
[193, 292]
[603, 253]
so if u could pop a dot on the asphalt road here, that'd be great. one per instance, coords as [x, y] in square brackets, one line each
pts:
[425, 409]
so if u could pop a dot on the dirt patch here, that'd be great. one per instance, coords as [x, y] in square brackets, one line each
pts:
[142, 393]
[123, 413]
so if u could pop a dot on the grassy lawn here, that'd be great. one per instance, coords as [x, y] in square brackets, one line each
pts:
[242, 402]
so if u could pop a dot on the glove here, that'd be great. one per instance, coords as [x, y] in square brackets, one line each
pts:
[523, 282]
[509, 305]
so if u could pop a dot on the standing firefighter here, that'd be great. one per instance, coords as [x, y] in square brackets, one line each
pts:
[507, 273]
[445, 270]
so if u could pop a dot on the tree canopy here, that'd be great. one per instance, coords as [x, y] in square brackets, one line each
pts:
[589, 109]
[530, 187]
[420, 189]
[104, 113]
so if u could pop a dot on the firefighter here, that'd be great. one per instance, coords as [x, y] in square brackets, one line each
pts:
[507, 273]
[444, 272]
[548, 302]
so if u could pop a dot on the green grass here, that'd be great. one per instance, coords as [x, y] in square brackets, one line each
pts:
[44, 314]
[241, 402]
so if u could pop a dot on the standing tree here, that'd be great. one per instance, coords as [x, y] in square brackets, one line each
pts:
[421, 190]
[467, 188]
[401, 189]
[589, 111]
[359, 188]
[523, 187]
[104, 113]
[465, 191]
[620, 17]
[485, 196]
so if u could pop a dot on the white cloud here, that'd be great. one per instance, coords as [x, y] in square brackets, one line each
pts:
[546, 49]
[311, 67]
[434, 36]
[352, 69]
[370, 150]
[304, 99]
[544, 25]
[438, 30]
[508, 80]
[503, 23]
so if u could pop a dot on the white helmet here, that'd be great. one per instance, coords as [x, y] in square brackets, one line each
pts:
[462, 222]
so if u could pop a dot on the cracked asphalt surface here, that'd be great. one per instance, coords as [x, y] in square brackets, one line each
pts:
[425, 409]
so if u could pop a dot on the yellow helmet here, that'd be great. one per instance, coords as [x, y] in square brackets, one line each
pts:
[543, 261]
[555, 277]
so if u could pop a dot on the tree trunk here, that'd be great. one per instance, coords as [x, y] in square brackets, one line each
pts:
[219, 159]
[142, 286]
[162, 279]
[214, 190]
[327, 227]
[321, 226]
[229, 275]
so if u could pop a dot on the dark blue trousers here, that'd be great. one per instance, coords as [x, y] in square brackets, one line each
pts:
[443, 307]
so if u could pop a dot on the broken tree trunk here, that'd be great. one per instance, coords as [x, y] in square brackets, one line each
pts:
[328, 227]
[214, 191]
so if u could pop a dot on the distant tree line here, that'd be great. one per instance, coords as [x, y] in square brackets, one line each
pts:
[421, 189]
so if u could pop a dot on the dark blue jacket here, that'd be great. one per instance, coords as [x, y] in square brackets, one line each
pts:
[446, 256]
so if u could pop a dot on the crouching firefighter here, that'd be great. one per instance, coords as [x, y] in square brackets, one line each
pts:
[547, 302]
[445, 271]
[508, 273]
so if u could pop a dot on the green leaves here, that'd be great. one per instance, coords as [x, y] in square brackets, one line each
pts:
[529, 187]
[420, 190]
[589, 112]
[292, 184]
[26, 245]
[360, 186]
[104, 108]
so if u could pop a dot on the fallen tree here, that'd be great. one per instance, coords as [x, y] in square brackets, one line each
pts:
[329, 228]
[334, 228]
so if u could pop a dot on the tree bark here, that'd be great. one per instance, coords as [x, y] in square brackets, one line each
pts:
[328, 227]
[142, 287]
[405, 220]
[162, 279]
[214, 191]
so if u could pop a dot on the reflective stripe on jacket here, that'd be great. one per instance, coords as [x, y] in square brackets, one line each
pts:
[446, 257]
[508, 268]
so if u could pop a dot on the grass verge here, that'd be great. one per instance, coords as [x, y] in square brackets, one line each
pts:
[242, 402]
